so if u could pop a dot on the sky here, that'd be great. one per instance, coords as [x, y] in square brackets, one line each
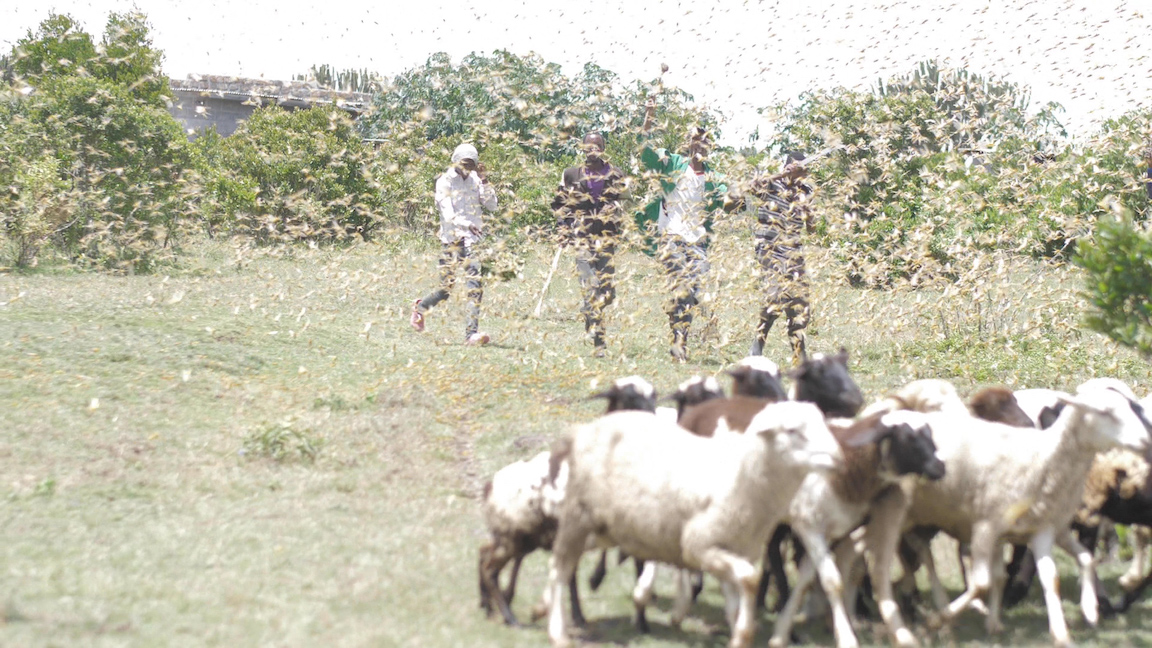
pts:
[735, 56]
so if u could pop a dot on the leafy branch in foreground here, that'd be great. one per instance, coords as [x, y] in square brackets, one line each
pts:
[1118, 261]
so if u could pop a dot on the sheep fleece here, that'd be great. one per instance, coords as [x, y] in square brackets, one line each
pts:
[654, 489]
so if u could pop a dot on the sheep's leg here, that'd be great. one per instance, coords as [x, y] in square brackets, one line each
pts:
[830, 581]
[850, 561]
[1021, 573]
[1138, 542]
[993, 624]
[569, 545]
[642, 595]
[493, 557]
[574, 594]
[1089, 601]
[683, 597]
[923, 549]
[1134, 595]
[773, 569]
[771, 554]
[510, 591]
[597, 576]
[906, 586]
[697, 583]
[984, 543]
[850, 564]
[739, 577]
[731, 603]
[557, 623]
[783, 630]
[883, 535]
[485, 600]
[1041, 544]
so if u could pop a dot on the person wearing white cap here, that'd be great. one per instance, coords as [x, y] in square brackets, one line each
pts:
[462, 195]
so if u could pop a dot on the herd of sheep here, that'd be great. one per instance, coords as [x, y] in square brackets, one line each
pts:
[709, 486]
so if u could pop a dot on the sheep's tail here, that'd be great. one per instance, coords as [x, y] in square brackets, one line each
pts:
[553, 491]
[561, 450]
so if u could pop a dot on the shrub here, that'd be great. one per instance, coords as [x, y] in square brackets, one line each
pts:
[1118, 263]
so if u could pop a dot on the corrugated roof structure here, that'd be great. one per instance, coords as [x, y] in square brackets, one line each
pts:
[215, 101]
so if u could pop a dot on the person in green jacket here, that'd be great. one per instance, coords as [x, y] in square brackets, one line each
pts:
[690, 192]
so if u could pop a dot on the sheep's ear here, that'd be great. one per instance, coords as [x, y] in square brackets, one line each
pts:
[1075, 401]
[842, 357]
[876, 433]
[796, 373]
[603, 394]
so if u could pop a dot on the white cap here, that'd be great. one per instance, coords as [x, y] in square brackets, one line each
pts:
[465, 152]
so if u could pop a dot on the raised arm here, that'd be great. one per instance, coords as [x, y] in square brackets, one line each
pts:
[487, 192]
[443, 197]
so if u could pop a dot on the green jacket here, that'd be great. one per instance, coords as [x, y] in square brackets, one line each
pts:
[669, 166]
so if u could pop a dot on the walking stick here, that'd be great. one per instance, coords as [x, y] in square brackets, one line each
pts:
[548, 281]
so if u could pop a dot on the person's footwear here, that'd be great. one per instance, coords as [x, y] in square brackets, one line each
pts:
[599, 349]
[417, 319]
[478, 338]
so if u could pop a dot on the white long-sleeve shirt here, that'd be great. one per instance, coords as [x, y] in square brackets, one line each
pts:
[683, 211]
[461, 200]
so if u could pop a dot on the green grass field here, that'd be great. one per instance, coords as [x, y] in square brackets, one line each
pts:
[255, 449]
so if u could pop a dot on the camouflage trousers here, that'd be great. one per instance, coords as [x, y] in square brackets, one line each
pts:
[453, 257]
[685, 265]
[786, 293]
[597, 272]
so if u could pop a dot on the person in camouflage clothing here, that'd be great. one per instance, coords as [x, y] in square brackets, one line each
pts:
[783, 217]
[587, 207]
[690, 191]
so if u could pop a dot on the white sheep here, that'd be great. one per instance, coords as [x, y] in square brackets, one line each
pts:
[661, 493]
[518, 506]
[1002, 485]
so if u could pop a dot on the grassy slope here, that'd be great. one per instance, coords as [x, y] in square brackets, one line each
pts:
[137, 506]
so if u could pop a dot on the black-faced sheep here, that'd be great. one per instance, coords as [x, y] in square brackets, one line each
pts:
[879, 452]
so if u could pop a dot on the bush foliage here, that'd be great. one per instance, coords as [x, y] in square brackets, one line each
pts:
[933, 170]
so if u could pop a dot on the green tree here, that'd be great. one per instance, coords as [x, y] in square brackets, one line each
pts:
[118, 155]
[124, 161]
[128, 58]
[1118, 264]
[34, 201]
[300, 175]
[58, 47]
[935, 167]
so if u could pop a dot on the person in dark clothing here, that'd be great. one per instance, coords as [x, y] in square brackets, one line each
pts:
[783, 218]
[587, 207]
